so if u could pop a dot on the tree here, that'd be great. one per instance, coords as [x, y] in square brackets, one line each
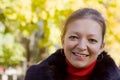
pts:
[36, 24]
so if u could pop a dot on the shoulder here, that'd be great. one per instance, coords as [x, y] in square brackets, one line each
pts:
[106, 69]
[48, 68]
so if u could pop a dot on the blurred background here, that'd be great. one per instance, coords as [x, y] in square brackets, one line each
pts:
[30, 31]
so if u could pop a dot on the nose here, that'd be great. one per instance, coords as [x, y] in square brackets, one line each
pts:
[82, 45]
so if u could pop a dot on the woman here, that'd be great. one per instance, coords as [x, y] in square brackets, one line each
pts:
[83, 56]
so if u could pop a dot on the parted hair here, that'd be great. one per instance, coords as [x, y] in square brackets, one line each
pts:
[86, 13]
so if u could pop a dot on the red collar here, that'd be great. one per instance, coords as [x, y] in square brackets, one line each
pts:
[81, 73]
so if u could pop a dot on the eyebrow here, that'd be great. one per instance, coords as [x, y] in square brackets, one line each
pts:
[73, 32]
[79, 33]
[90, 35]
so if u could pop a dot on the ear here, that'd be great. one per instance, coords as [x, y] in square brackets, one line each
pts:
[102, 48]
[62, 41]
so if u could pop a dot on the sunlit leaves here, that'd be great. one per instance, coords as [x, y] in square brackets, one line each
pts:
[56, 11]
[47, 17]
[2, 27]
[11, 53]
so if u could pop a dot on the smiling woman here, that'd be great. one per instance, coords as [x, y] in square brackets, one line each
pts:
[82, 42]
[83, 56]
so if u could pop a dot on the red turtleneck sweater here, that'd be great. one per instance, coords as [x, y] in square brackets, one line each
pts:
[79, 74]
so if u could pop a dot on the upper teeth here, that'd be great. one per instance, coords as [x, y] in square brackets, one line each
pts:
[84, 55]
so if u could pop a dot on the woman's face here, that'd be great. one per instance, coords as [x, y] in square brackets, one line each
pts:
[82, 42]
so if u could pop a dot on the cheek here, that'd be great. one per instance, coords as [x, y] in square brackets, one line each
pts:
[68, 44]
[94, 50]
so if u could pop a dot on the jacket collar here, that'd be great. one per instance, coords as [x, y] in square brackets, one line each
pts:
[105, 68]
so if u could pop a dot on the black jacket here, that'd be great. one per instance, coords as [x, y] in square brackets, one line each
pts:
[54, 68]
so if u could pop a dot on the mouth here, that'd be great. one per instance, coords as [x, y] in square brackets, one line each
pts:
[80, 54]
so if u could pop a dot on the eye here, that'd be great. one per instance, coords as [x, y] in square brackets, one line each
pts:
[93, 41]
[73, 37]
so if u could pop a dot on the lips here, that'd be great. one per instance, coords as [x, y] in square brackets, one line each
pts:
[80, 54]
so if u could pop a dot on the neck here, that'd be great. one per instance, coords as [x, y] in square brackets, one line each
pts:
[76, 72]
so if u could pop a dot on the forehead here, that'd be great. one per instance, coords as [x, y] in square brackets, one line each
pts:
[87, 26]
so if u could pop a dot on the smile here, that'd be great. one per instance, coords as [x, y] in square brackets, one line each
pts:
[81, 55]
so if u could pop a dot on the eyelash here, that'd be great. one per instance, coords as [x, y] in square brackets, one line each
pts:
[73, 37]
[92, 40]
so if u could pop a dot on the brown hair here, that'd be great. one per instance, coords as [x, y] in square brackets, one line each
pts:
[88, 13]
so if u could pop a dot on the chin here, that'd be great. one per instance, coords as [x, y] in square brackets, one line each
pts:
[82, 66]
[79, 65]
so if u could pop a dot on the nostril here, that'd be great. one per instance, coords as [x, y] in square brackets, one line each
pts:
[82, 46]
